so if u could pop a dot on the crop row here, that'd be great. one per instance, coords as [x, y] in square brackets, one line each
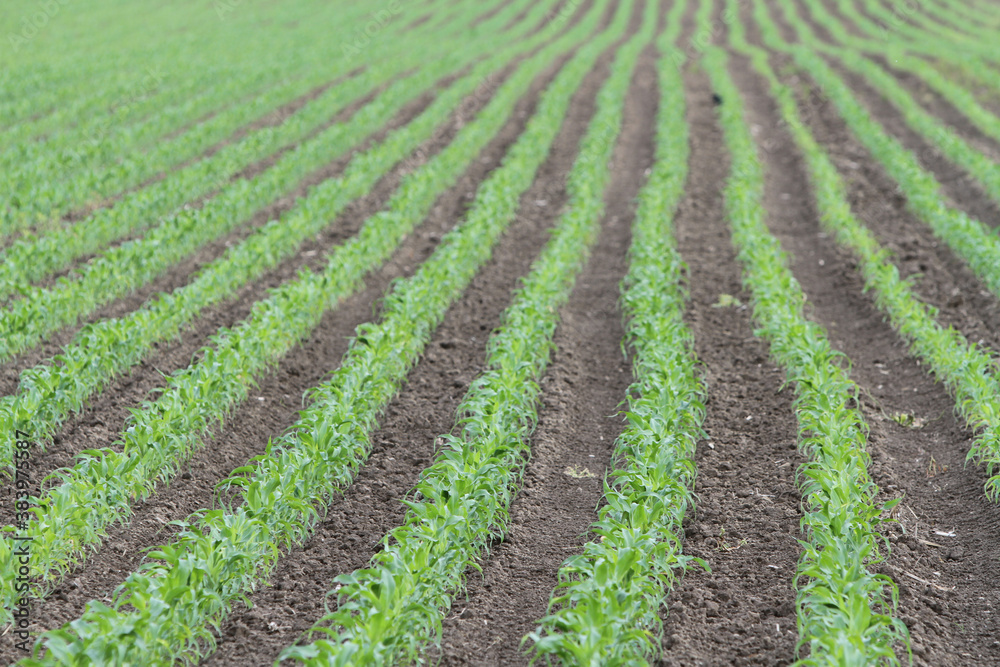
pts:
[967, 237]
[606, 607]
[980, 167]
[32, 259]
[46, 179]
[968, 370]
[844, 611]
[132, 264]
[386, 612]
[896, 54]
[965, 55]
[224, 553]
[103, 484]
[50, 391]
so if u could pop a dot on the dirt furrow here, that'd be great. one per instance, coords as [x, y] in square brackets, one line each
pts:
[935, 104]
[99, 424]
[922, 462]
[746, 520]
[922, 93]
[274, 405]
[404, 443]
[578, 423]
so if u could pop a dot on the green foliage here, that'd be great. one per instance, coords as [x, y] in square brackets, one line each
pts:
[967, 369]
[102, 486]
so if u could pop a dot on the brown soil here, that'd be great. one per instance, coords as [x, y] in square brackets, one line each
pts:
[424, 409]
[941, 278]
[935, 104]
[99, 424]
[183, 272]
[964, 192]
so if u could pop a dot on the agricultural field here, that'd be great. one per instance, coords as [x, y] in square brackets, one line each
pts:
[553, 332]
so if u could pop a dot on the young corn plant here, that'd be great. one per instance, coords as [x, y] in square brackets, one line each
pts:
[845, 612]
[387, 612]
[969, 371]
[605, 610]
[163, 612]
[101, 488]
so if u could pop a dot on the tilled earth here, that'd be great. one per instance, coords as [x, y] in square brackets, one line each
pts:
[740, 608]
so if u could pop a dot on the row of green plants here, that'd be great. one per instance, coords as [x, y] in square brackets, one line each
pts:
[924, 25]
[606, 608]
[844, 610]
[80, 161]
[42, 86]
[947, 140]
[980, 17]
[964, 19]
[39, 78]
[967, 237]
[221, 555]
[895, 53]
[102, 486]
[109, 156]
[49, 391]
[34, 258]
[968, 370]
[132, 264]
[387, 612]
[965, 54]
